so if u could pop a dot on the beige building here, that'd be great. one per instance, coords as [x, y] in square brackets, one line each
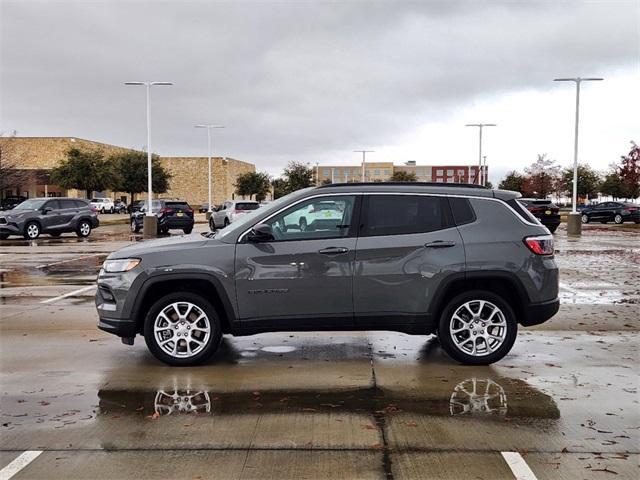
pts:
[36, 156]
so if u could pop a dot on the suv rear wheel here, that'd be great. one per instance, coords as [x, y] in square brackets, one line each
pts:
[477, 328]
[182, 329]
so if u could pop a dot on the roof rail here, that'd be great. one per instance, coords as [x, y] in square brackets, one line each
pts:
[419, 184]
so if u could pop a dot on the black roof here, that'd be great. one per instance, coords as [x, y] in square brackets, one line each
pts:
[417, 184]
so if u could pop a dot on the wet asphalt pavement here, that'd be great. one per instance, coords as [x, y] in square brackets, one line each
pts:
[318, 405]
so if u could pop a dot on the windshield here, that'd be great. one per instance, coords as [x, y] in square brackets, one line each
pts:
[245, 221]
[34, 204]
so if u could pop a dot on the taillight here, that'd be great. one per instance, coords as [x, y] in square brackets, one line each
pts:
[537, 209]
[629, 210]
[166, 211]
[189, 211]
[540, 245]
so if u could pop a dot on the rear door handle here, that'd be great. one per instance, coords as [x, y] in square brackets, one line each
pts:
[439, 244]
[333, 251]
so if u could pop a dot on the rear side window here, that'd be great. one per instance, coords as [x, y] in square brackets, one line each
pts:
[67, 204]
[462, 211]
[522, 211]
[247, 206]
[178, 205]
[403, 214]
[80, 204]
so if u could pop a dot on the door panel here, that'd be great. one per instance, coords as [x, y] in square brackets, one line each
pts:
[54, 219]
[304, 277]
[407, 246]
[291, 279]
[396, 276]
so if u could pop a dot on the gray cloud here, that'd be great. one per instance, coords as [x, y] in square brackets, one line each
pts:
[292, 80]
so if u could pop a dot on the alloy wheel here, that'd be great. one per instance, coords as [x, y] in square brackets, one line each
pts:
[182, 329]
[33, 231]
[85, 229]
[618, 218]
[585, 219]
[478, 328]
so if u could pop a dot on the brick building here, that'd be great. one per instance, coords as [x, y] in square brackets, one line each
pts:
[382, 171]
[36, 156]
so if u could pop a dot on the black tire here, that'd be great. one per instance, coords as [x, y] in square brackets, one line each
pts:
[226, 223]
[618, 219]
[102, 210]
[135, 228]
[111, 210]
[214, 337]
[212, 224]
[31, 230]
[84, 228]
[585, 219]
[553, 228]
[303, 224]
[4, 236]
[454, 351]
[187, 231]
[164, 231]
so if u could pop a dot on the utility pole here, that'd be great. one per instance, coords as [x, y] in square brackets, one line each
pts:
[480, 127]
[150, 223]
[484, 170]
[574, 225]
[364, 156]
[209, 127]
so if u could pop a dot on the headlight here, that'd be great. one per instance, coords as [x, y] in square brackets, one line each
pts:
[121, 265]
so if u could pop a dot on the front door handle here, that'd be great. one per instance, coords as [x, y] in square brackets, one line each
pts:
[333, 251]
[439, 244]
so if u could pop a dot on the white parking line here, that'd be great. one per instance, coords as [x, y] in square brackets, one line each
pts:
[518, 466]
[19, 463]
[70, 294]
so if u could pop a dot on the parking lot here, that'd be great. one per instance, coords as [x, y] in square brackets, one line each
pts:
[563, 404]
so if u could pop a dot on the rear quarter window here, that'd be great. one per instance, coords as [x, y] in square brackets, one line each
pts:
[522, 211]
[462, 211]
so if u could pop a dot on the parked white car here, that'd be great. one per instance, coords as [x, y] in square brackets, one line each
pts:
[315, 216]
[103, 205]
[229, 211]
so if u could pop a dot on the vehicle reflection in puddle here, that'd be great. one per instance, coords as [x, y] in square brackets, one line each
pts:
[483, 398]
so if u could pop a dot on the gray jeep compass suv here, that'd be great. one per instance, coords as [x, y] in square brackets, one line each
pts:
[464, 263]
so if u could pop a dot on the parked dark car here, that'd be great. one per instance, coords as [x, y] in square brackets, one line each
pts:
[171, 214]
[135, 206]
[48, 215]
[204, 208]
[120, 207]
[465, 263]
[548, 213]
[10, 202]
[618, 212]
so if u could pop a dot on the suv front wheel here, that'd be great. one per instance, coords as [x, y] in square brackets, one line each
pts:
[477, 328]
[182, 329]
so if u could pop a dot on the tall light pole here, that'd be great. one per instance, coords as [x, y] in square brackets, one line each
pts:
[480, 127]
[364, 156]
[150, 223]
[317, 173]
[574, 226]
[209, 127]
[484, 171]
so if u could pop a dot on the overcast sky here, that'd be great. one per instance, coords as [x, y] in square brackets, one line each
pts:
[313, 81]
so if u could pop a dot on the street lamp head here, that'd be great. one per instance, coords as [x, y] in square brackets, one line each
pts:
[161, 83]
[134, 83]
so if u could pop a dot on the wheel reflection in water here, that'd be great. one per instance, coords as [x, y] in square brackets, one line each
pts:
[181, 401]
[477, 396]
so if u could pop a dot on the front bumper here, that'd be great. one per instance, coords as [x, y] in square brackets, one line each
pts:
[537, 313]
[10, 229]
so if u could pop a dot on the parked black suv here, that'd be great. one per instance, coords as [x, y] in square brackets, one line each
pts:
[172, 215]
[467, 264]
[548, 213]
[53, 216]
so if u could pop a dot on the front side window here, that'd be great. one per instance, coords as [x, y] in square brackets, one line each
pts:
[403, 214]
[317, 218]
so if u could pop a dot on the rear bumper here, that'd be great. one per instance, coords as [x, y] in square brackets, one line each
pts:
[550, 220]
[537, 313]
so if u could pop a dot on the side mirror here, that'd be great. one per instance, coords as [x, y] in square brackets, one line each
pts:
[261, 233]
[46, 210]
